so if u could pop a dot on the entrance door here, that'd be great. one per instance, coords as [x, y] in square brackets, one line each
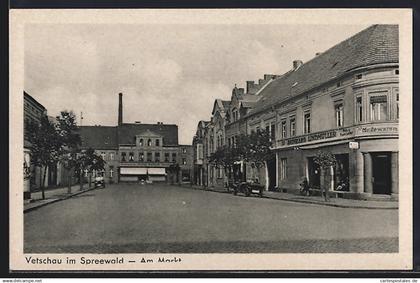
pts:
[271, 169]
[381, 171]
[314, 173]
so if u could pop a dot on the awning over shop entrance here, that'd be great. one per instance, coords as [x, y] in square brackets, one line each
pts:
[156, 171]
[133, 171]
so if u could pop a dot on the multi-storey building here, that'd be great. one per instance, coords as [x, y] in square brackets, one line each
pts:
[134, 151]
[344, 101]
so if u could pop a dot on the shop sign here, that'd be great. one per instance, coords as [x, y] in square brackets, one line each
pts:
[326, 135]
[377, 129]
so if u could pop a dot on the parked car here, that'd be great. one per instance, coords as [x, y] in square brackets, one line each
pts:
[99, 181]
[246, 188]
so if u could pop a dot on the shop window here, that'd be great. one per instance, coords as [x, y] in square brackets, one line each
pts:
[166, 156]
[141, 156]
[339, 115]
[157, 157]
[283, 168]
[283, 129]
[359, 109]
[292, 127]
[378, 108]
[307, 122]
[157, 142]
[149, 157]
[141, 142]
[341, 173]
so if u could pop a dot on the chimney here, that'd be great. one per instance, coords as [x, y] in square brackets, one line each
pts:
[120, 110]
[297, 64]
[267, 77]
[249, 85]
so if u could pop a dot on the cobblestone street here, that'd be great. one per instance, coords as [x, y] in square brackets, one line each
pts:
[127, 218]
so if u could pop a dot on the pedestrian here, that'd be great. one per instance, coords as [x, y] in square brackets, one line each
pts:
[325, 193]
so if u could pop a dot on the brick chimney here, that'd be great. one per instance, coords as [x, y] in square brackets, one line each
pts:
[249, 86]
[297, 64]
[120, 110]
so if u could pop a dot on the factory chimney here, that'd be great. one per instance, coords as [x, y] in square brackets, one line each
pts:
[120, 110]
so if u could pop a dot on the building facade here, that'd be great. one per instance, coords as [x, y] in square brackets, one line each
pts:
[344, 101]
[136, 152]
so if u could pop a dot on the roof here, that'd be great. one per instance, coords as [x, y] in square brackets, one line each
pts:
[33, 100]
[223, 105]
[99, 137]
[377, 44]
[127, 132]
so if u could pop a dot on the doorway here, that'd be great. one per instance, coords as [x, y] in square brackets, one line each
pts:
[271, 169]
[314, 173]
[381, 173]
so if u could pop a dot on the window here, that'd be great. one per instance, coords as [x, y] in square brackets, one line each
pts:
[131, 156]
[292, 126]
[307, 123]
[103, 155]
[219, 172]
[173, 157]
[111, 156]
[339, 115]
[184, 161]
[123, 154]
[111, 171]
[359, 109]
[184, 150]
[166, 156]
[283, 168]
[157, 142]
[157, 156]
[397, 104]
[149, 142]
[141, 142]
[267, 129]
[283, 129]
[149, 157]
[378, 108]
[397, 71]
[141, 156]
[338, 84]
[86, 172]
[273, 132]
[359, 76]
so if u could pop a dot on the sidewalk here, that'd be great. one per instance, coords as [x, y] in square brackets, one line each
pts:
[337, 202]
[53, 195]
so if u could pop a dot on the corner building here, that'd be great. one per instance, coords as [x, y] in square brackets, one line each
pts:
[346, 101]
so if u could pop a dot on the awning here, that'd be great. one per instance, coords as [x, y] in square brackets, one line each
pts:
[156, 171]
[133, 171]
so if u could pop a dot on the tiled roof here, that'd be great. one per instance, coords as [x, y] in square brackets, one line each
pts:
[99, 137]
[127, 132]
[374, 45]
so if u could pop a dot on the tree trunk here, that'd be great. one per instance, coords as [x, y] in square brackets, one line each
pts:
[43, 182]
[68, 182]
[81, 179]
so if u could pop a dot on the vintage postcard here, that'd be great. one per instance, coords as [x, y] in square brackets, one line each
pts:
[254, 139]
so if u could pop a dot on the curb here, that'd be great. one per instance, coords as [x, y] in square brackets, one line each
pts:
[25, 210]
[305, 201]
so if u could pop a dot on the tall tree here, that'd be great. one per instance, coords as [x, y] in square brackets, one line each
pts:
[46, 146]
[68, 132]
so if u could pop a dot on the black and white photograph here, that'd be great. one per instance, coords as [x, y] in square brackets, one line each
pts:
[209, 135]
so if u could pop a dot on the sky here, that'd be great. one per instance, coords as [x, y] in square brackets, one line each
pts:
[167, 73]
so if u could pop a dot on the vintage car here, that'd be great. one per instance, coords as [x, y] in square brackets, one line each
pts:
[247, 188]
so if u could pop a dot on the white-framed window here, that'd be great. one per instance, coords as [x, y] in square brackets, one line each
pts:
[111, 156]
[283, 168]
[359, 109]
[306, 122]
[111, 172]
[283, 129]
[131, 156]
[141, 156]
[292, 126]
[339, 113]
[378, 108]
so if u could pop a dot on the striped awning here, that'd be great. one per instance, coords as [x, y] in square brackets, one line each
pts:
[156, 171]
[133, 171]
